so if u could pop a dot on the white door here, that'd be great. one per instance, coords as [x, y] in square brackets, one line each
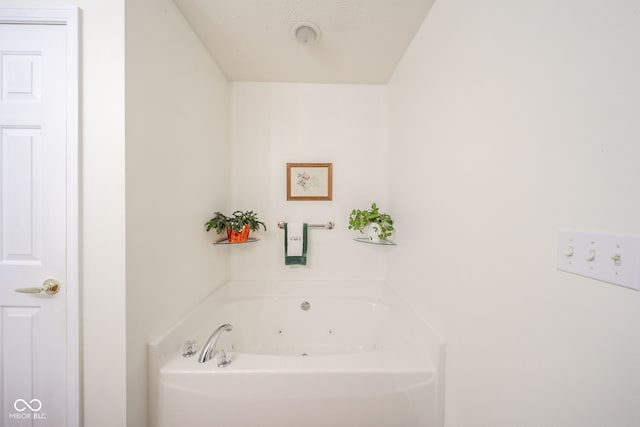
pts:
[33, 224]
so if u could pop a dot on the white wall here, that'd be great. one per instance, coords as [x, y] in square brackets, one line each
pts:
[276, 123]
[103, 213]
[102, 206]
[508, 121]
[177, 112]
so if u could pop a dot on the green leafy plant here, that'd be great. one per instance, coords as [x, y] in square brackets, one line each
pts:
[220, 222]
[382, 222]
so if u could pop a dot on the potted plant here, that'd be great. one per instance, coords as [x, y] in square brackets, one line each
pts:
[378, 225]
[237, 226]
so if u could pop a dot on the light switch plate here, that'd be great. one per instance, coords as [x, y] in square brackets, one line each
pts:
[612, 258]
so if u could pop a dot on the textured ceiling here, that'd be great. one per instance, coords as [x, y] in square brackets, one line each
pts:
[252, 40]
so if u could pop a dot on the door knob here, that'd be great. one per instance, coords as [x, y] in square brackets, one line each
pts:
[50, 286]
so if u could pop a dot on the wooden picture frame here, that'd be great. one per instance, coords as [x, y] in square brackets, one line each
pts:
[309, 181]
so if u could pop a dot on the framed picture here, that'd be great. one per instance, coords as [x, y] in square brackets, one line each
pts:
[309, 181]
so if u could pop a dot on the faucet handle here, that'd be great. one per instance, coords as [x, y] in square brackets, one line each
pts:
[224, 358]
[190, 348]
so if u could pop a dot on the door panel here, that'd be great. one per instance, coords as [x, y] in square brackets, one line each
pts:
[21, 197]
[33, 221]
[21, 77]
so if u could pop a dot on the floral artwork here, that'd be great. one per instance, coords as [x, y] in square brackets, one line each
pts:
[309, 181]
[304, 180]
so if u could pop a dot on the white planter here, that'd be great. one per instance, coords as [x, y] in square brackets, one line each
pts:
[371, 233]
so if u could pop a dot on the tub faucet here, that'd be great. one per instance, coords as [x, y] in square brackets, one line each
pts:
[209, 350]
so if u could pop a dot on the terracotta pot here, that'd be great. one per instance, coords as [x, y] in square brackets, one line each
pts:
[238, 236]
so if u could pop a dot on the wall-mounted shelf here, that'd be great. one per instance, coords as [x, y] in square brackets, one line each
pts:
[383, 242]
[224, 241]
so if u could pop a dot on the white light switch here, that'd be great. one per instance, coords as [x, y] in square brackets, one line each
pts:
[612, 258]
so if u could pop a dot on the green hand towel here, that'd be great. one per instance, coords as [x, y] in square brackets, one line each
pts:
[295, 260]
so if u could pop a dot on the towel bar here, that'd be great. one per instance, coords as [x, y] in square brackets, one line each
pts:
[330, 225]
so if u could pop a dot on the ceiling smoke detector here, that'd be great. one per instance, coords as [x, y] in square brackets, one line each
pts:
[306, 32]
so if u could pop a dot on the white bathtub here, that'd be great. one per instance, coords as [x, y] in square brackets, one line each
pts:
[356, 357]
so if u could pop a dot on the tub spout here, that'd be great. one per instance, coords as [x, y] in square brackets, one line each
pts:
[209, 350]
